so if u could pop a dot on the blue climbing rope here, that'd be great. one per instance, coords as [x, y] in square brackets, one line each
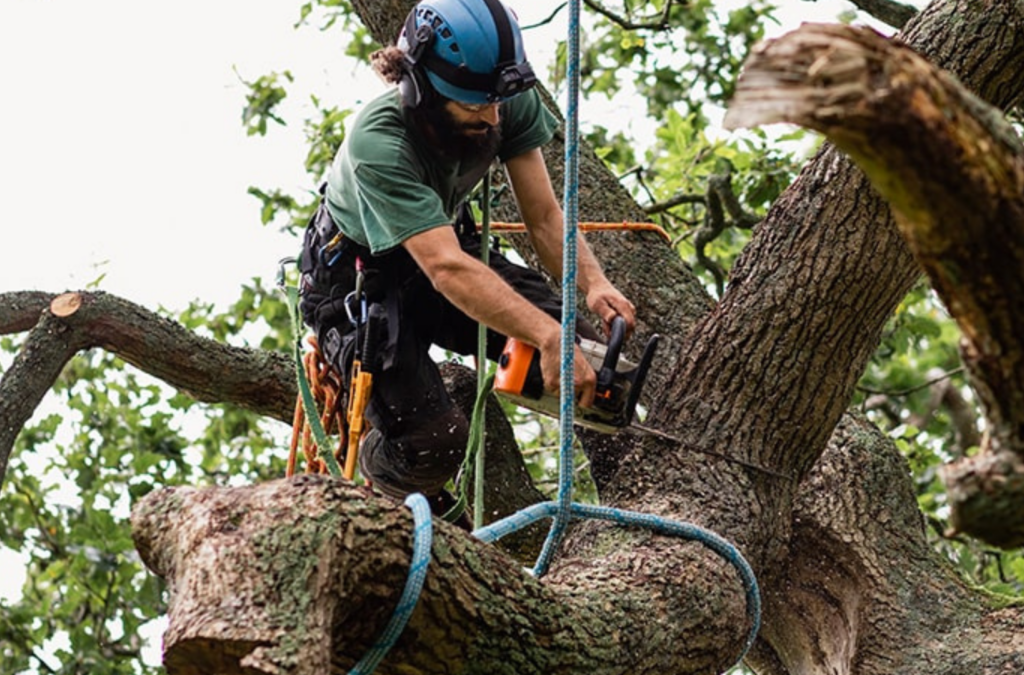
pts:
[722, 547]
[567, 398]
[422, 541]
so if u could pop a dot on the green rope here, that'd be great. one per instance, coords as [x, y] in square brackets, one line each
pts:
[308, 403]
[477, 429]
[481, 373]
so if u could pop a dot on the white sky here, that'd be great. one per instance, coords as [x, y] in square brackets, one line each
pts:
[121, 148]
[122, 152]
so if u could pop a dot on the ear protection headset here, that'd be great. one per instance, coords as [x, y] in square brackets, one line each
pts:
[508, 77]
[414, 86]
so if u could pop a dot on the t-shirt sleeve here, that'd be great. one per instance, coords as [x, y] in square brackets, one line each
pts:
[528, 124]
[394, 204]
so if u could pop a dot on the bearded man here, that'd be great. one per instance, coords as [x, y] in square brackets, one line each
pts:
[393, 227]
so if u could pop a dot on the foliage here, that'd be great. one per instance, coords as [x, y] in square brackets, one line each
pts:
[916, 360]
[265, 94]
[668, 53]
[112, 436]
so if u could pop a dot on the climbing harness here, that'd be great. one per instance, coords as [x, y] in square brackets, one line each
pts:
[321, 389]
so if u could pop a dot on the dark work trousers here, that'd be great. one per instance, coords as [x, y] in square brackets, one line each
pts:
[419, 437]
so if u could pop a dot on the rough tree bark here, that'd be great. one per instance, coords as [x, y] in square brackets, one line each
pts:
[849, 582]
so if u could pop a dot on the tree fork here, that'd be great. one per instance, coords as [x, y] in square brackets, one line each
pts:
[953, 173]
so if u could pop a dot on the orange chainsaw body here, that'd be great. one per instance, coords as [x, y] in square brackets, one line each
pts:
[619, 382]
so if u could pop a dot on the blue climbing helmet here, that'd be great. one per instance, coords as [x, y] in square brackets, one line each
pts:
[470, 51]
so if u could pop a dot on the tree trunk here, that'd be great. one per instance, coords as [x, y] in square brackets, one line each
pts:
[953, 171]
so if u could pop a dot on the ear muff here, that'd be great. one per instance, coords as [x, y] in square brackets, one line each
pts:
[414, 87]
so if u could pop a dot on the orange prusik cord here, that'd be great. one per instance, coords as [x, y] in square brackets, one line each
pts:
[593, 227]
[326, 390]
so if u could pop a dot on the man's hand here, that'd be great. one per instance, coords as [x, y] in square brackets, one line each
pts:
[607, 302]
[584, 380]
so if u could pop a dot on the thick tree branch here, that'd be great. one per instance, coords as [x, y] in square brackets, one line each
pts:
[256, 380]
[953, 172]
[338, 558]
[19, 311]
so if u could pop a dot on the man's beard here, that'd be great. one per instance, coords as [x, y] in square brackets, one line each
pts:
[459, 141]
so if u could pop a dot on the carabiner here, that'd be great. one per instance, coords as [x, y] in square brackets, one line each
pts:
[329, 248]
[357, 295]
[280, 269]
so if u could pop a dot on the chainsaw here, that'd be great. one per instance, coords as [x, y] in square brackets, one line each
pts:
[619, 382]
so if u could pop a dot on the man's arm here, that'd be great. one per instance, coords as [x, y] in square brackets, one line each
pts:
[543, 218]
[479, 292]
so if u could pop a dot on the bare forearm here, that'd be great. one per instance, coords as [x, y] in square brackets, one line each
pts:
[483, 295]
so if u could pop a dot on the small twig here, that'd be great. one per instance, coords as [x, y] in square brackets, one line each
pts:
[661, 22]
[678, 200]
[551, 17]
[914, 389]
[890, 12]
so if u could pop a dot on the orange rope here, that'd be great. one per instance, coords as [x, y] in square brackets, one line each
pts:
[328, 395]
[592, 227]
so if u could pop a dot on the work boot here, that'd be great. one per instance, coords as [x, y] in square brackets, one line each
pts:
[377, 458]
[387, 470]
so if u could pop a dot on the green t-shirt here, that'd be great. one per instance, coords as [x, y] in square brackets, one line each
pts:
[386, 184]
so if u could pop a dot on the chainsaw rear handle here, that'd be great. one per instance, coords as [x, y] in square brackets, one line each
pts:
[606, 374]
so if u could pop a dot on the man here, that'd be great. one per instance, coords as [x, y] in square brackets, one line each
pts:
[409, 161]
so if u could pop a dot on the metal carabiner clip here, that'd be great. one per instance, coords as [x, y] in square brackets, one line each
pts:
[331, 248]
[351, 299]
[281, 274]
[355, 296]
